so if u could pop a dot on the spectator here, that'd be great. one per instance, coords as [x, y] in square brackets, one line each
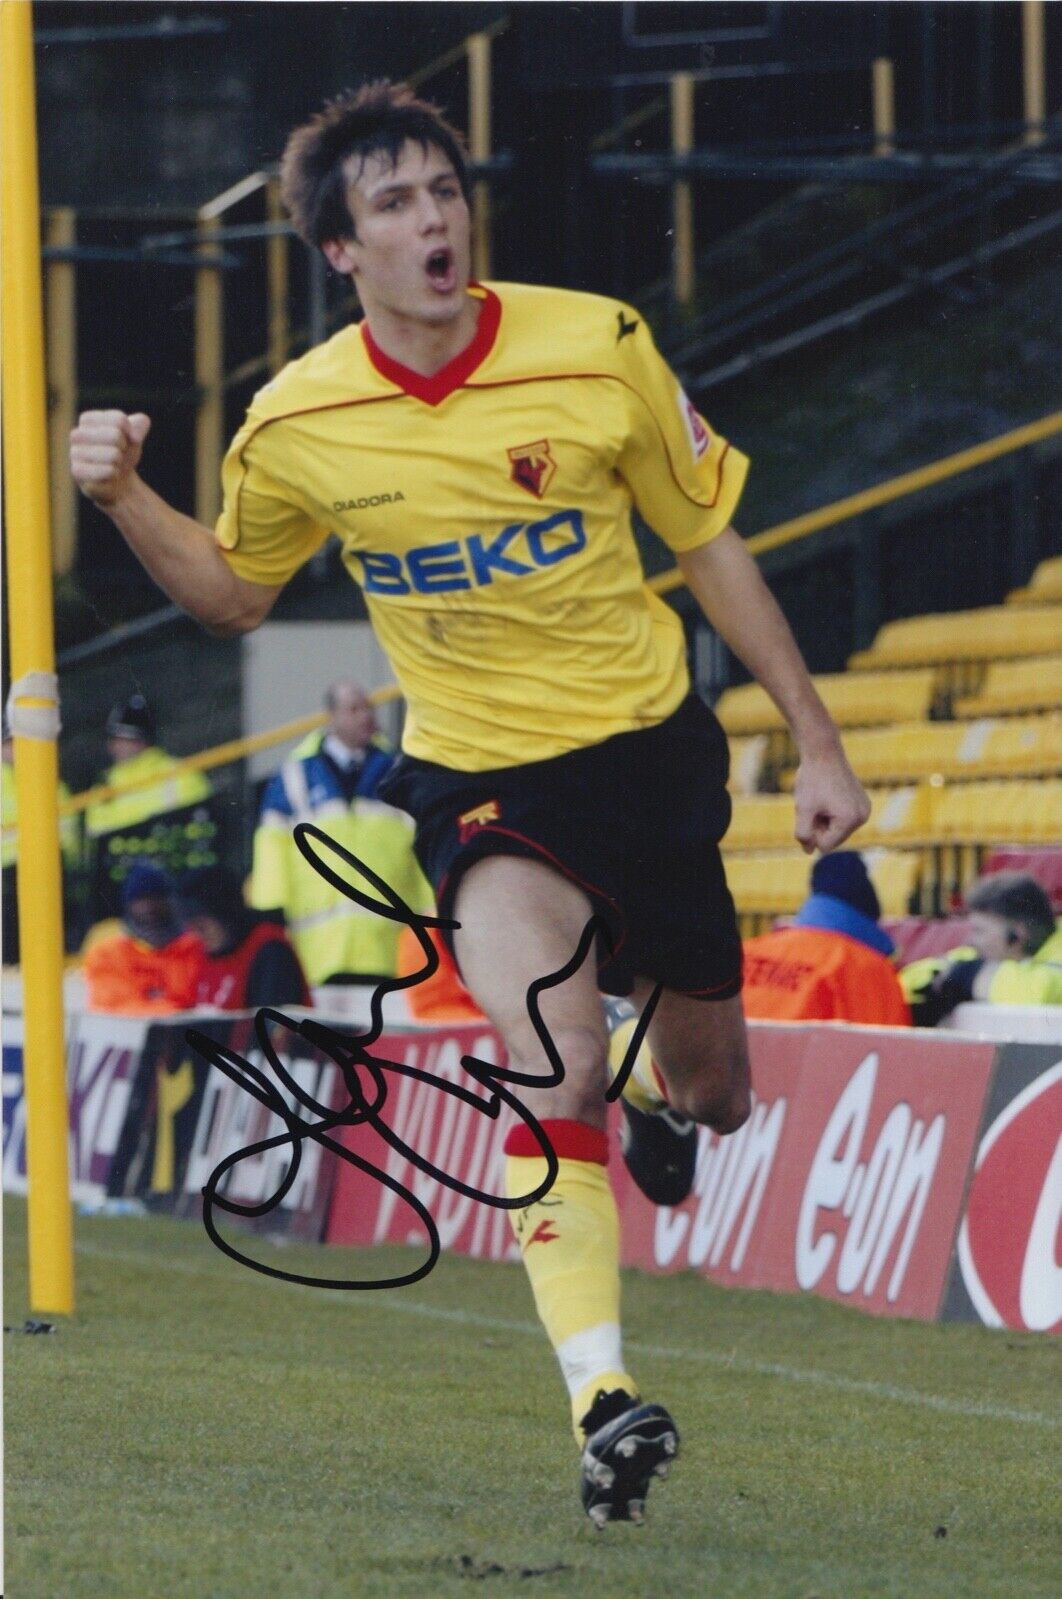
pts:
[151, 967]
[1014, 956]
[331, 780]
[442, 997]
[833, 963]
[69, 844]
[249, 961]
[135, 757]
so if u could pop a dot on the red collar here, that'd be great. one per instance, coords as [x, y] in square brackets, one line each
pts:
[435, 389]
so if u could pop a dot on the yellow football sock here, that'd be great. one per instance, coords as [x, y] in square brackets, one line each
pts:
[569, 1240]
[644, 1088]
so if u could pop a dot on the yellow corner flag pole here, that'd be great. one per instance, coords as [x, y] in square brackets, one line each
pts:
[34, 700]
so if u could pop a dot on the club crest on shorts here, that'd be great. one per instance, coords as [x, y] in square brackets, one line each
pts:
[473, 820]
[533, 467]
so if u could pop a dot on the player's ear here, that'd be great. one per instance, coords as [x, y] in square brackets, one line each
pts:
[340, 255]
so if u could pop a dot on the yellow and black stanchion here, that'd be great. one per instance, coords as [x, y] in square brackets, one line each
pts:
[33, 704]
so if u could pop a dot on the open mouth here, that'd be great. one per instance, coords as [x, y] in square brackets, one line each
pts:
[441, 272]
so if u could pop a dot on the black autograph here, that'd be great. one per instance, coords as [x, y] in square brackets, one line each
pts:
[365, 1079]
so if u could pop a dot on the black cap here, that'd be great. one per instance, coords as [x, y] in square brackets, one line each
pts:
[134, 718]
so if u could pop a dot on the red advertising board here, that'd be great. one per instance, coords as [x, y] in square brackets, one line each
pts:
[454, 1137]
[847, 1179]
[1008, 1270]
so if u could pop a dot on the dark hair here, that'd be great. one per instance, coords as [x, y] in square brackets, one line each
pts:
[1019, 898]
[377, 119]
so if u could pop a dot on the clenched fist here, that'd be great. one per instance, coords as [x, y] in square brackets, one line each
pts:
[105, 450]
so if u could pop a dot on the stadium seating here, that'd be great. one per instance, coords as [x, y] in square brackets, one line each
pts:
[1044, 587]
[1018, 747]
[961, 642]
[853, 701]
[1014, 687]
[999, 813]
[768, 885]
[748, 762]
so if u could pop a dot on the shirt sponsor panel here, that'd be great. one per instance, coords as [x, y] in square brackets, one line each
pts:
[477, 561]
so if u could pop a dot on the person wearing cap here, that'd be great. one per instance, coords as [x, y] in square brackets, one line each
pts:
[332, 780]
[69, 845]
[1013, 957]
[136, 758]
[832, 963]
[150, 967]
[249, 961]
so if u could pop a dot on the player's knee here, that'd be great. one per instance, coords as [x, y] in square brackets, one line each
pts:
[581, 1051]
[720, 1100]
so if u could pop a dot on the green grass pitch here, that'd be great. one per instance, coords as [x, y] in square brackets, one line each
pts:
[199, 1431]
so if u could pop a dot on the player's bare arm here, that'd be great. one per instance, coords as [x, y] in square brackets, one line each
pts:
[727, 585]
[179, 553]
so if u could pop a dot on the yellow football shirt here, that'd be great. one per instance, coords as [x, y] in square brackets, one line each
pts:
[486, 513]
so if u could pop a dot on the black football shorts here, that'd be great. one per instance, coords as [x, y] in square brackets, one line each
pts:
[635, 821]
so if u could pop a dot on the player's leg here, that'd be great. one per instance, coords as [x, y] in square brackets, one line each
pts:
[692, 1067]
[699, 1048]
[521, 921]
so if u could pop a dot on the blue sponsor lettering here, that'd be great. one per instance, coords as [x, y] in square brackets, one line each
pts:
[383, 574]
[548, 555]
[488, 558]
[438, 568]
[444, 568]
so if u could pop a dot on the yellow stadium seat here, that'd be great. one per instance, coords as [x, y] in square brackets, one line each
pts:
[761, 821]
[747, 710]
[1045, 585]
[748, 762]
[895, 875]
[769, 884]
[853, 700]
[1011, 687]
[899, 816]
[1000, 813]
[1018, 747]
[982, 635]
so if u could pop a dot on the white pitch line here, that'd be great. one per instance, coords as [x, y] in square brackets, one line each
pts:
[974, 1408]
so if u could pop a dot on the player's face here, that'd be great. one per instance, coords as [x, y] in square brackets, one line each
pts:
[412, 253]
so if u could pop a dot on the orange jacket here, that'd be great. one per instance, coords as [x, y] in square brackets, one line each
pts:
[129, 978]
[810, 974]
[442, 997]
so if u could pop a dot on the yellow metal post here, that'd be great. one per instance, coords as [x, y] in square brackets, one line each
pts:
[883, 98]
[61, 331]
[479, 136]
[683, 272]
[34, 696]
[210, 411]
[1034, 70]
[277, 281]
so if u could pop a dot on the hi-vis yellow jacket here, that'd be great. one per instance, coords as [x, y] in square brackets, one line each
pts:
[69, 839]
[331, 932]
[1035, 980]
[174, 790]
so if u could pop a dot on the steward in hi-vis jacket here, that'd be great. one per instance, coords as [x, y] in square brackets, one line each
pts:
[336, 938]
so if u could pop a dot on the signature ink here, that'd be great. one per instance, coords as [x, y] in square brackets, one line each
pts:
[365, 1078]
